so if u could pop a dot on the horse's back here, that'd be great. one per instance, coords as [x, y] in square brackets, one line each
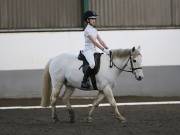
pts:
[62, 60]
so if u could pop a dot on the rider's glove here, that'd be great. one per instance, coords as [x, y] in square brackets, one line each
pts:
[106, 51]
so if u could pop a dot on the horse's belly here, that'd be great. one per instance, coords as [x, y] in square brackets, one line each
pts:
[74, 77]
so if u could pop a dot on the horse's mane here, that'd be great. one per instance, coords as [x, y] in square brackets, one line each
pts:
[119, 53]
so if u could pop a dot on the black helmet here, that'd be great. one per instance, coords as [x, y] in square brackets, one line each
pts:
[89, 14]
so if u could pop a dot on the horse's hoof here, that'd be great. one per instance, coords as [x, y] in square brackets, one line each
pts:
[72, 116]
[124, 124]
[55, 119]
[122, 120]
[72, 120]
[89, 120]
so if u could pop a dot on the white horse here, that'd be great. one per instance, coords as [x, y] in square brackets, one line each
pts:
[64, 70]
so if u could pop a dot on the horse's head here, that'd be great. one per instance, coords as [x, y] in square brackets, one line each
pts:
[135, 63]
[131, 63]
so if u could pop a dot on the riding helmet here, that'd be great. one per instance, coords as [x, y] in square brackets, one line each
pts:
[89, 15]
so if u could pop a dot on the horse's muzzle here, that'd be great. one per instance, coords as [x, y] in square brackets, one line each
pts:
[139, 78]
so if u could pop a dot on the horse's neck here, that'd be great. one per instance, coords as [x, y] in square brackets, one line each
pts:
[121, 61]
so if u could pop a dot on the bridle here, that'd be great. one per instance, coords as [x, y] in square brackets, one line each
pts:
[123, 68]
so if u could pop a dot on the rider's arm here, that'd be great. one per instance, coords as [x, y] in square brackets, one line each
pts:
[97, 44]
[102, 42]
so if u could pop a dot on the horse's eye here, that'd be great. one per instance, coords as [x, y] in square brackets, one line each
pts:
[134, 61]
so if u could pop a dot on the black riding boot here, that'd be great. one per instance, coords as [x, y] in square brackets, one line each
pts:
[85, 84]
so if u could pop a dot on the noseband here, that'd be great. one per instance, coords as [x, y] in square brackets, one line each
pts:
[123, 68]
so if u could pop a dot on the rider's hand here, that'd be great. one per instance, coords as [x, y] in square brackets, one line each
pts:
[106, 51]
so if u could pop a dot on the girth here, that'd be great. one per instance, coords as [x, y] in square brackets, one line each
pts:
[95, 70]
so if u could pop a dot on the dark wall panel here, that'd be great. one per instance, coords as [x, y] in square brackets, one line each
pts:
[57, 14]
[29, 14]
[126, 13]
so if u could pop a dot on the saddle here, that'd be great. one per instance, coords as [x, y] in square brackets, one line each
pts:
[95, 70]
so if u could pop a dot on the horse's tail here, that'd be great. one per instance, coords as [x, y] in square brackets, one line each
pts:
[46, 90]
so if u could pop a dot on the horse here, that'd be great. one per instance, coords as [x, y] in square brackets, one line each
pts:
[63, 70]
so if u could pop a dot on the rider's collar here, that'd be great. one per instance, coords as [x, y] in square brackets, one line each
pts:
[90, 25]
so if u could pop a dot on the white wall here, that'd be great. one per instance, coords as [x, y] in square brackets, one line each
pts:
[22, 51]
[32, 50]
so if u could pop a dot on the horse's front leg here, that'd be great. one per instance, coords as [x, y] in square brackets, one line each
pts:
[95, 104]
[109, 95]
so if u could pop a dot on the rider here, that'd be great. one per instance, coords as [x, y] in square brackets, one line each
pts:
[92, 40]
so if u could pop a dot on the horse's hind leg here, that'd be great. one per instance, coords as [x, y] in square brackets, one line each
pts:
[109, 95]
[95, 104]
[66, 99]
[54, 97]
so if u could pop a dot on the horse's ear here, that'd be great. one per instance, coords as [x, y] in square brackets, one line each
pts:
[139, 48]
[133, 49]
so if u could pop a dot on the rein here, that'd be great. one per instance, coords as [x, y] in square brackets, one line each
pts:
[123, 68]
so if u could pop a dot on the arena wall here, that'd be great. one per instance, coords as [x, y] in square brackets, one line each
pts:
[24, 55]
